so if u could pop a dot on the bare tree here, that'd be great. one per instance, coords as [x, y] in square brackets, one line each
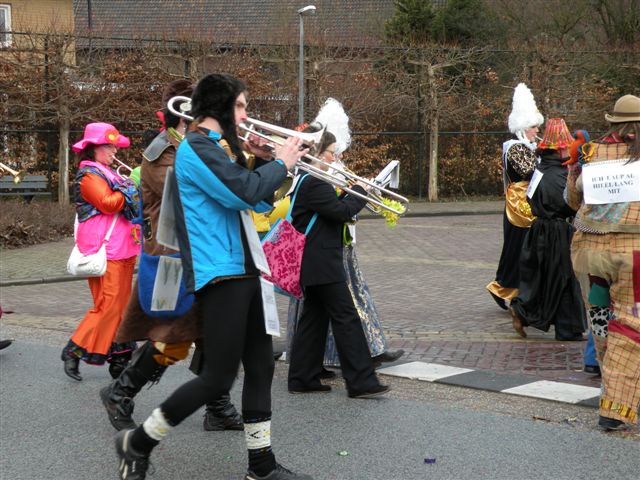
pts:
[430, 79]
[46, 85]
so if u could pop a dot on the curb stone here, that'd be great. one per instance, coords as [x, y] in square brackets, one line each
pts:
[522, 385]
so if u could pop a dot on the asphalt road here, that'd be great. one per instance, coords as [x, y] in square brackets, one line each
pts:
[54, 428]
[427, 277]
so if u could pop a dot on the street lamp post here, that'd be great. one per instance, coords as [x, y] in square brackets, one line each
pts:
[308, 10]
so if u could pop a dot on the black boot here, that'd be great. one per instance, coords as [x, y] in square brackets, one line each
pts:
[117, 364]
[71, 365]
[118, 397]
[222, 415]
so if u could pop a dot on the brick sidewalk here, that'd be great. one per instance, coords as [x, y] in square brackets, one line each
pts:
[427, 277]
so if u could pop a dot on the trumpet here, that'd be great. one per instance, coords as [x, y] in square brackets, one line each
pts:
[16, 174]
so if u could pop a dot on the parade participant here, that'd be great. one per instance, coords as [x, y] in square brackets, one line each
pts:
[518, 162]
[368, 313]
[169, 340]
[214, 187]
[548, 292]
[362, 299]
[332, 115]
[104, 201]
[606, 257]
[326, 296]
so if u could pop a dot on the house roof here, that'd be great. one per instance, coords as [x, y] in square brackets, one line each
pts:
[336, 23]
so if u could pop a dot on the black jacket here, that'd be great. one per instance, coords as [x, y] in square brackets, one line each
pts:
[322, 258]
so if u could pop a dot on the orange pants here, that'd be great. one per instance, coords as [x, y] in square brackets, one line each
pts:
[110, 293]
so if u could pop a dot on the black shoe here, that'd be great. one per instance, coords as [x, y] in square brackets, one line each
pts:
[215, 422]
[221, 414]
[593, 369]
[277, 355]
[119, 413]
[371, 393]
[5, 343]
[132, 465]
[388, 356]
[314, 389]
[280, 473]
[71, 365]
[327, 374]
[611, 424]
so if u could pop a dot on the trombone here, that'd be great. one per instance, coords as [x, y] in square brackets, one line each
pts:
[344, 178]
[339, 177]
[17, 175]
[122, 165]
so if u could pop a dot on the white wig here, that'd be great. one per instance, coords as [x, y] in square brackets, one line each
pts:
[334, 117]
[524, 113]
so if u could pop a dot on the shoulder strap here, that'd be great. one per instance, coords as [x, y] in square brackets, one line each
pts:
[293, 199]
[311, 222]
[113, 224]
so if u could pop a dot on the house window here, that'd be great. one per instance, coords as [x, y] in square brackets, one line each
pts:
[5, 25]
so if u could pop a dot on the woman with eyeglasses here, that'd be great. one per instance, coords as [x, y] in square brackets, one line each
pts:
[362, 298]
[327, 299]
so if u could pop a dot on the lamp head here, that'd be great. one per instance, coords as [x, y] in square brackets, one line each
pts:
[308, 10]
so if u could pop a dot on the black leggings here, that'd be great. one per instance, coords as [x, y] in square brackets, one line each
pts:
[233, 331]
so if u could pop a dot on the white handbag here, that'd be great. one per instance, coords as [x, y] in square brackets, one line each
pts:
[94, 265]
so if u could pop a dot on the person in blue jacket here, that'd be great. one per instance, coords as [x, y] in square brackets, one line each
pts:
[214, 188]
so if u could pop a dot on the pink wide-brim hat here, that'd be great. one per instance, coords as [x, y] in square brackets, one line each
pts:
[101, 134]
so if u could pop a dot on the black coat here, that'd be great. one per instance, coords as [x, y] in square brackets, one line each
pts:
[549, 292]
[322, 258]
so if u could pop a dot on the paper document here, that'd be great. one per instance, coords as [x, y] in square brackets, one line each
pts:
[166, 234]
[166, 286]
[534, 182]
[390, 175]
[611, 182]
[271, 320]
[257, 252]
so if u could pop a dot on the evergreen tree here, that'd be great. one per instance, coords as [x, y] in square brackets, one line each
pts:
[411, 22]
[462, 21]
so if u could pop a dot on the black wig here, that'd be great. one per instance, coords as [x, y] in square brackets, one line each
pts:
[215, 96]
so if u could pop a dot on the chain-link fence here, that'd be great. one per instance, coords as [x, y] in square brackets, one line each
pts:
[53, 84]
[469, 166]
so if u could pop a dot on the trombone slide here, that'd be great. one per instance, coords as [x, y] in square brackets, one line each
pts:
[122, 165]
[334, 179]
[312, 170]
